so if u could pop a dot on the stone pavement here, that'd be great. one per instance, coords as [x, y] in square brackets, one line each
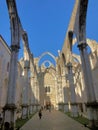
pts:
[53, 120]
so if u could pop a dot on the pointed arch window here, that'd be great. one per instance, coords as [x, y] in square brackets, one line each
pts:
[47, 89]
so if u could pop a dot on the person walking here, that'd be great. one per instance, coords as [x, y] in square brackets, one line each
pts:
[40, 114]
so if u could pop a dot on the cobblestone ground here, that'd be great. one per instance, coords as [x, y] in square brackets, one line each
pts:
[53, 120]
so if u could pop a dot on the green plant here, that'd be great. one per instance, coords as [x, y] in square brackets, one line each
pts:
[20, 122]
[80, 119]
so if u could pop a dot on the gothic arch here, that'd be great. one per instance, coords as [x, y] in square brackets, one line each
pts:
[47, 61]
[46, 53]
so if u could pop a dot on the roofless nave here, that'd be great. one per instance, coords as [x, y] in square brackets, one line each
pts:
[70, 84]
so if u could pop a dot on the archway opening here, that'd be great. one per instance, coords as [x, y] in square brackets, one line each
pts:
[46, 58]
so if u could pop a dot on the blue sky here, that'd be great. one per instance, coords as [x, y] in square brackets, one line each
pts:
[46, 22]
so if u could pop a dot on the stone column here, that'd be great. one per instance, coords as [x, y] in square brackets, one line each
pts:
[31, 95]
[10, 107]
[92, 105]
[66, 98]
[60, 93]
[66, 91]
[25, 102]
[57, 88]
[41, 89]
[56, 84]
[74, 109]
[30, 98]
[35, 94]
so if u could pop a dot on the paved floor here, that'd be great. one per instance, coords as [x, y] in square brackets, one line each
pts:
[54, 120]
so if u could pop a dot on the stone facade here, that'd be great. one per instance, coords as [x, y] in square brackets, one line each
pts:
[47, 82]
[48, 85]
[52, 83]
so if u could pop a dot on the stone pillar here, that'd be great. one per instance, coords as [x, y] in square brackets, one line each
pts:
[65, 91]
[63, 85]
[10, 107]
[41, 89]
[74, 109]
[31, 109]
[31, 96]
[56, 94]
[31, 103]
[25, 102]
[60, 93]
[35, 94]
[66, 98]
[92, 105]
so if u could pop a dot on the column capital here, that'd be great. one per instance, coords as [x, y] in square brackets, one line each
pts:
[25, 67]
[74, 103]
[82, 45]
[92, 104]
[24, 105]
[15, 48]
[10, 107]
[69, 65]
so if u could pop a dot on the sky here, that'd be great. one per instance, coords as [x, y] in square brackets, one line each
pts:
[46, 23]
